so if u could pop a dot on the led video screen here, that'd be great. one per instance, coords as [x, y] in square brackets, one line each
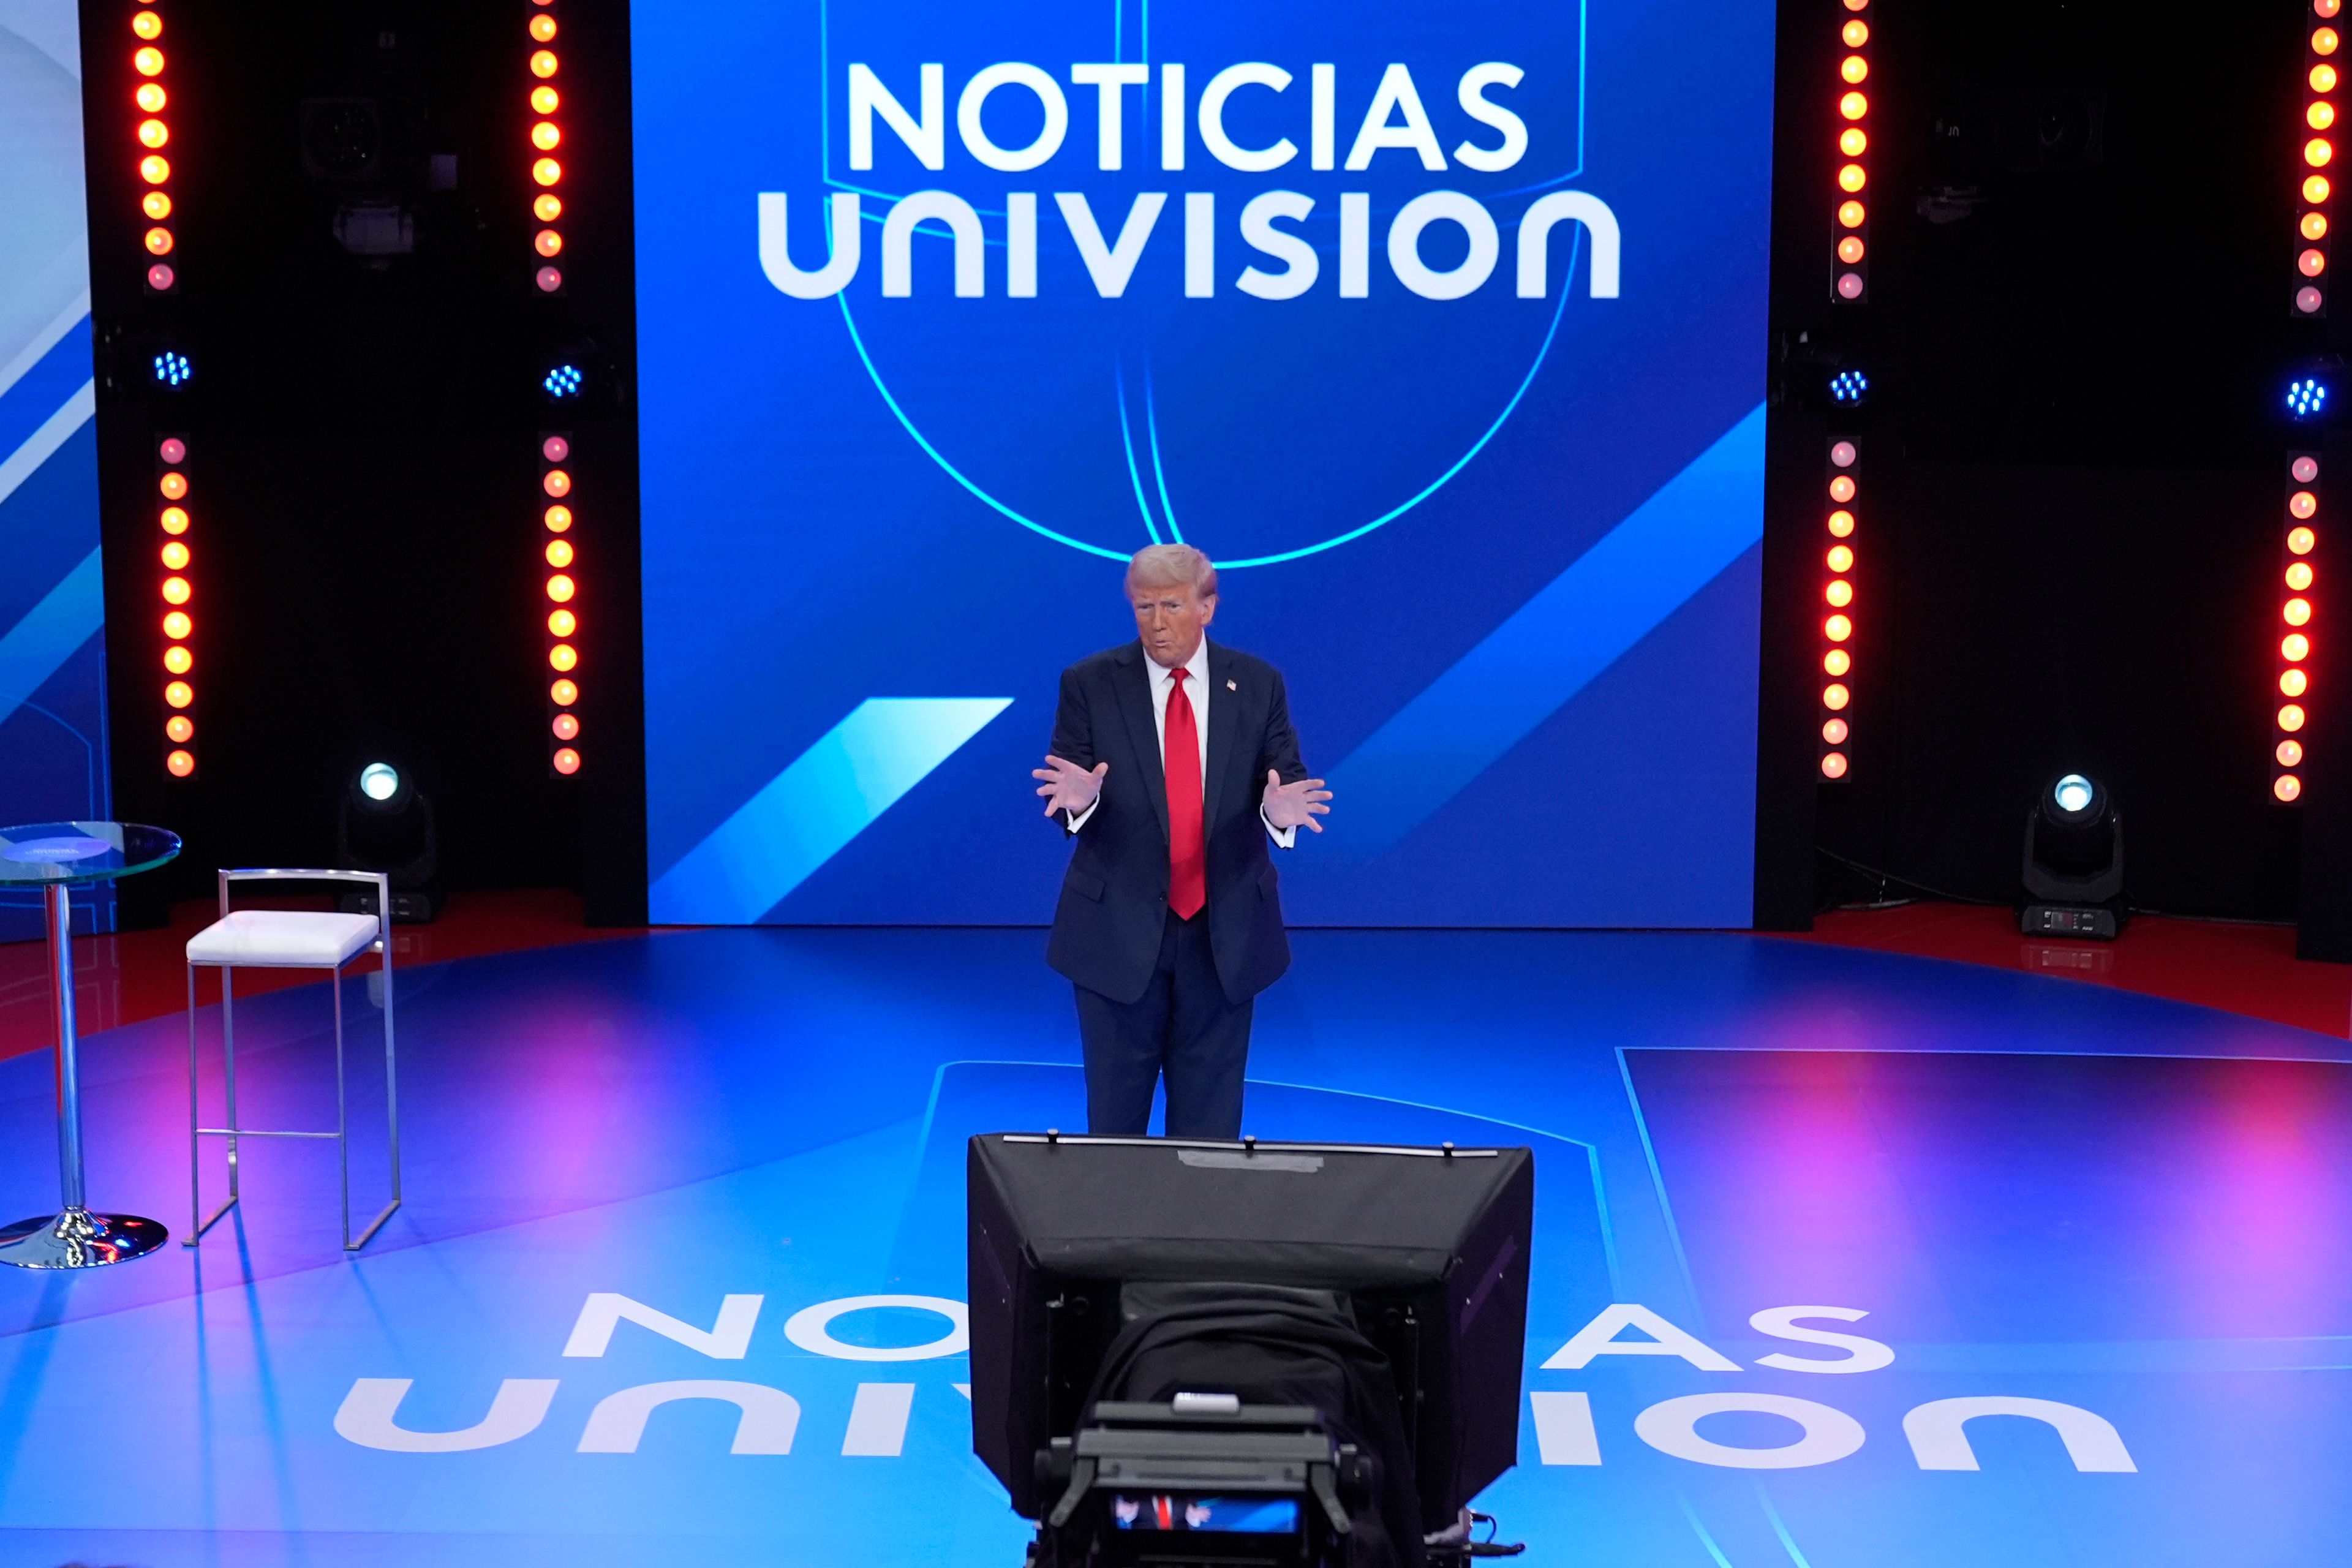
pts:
[1440, 327]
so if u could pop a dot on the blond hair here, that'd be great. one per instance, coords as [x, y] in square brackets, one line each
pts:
[1166, 565]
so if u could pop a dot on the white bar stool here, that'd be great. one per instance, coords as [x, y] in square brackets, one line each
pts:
[289, 939]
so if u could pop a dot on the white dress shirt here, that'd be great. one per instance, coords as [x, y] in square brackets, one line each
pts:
[1196, 688]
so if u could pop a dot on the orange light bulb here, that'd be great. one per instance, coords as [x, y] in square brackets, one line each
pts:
[148, 62]
[175, 555]
[2314, 226]
[1840, 592]
[2300, 540]
[2290, 717]
[542, 27]
[2317, 152]
[562, 623]
[179, 694]
[542, 63]
[547, 206]
[1855, 69]
[156, 206]
[2298, 575]
[2289, 754]
[547, 242]
[2320, 115]
[2286, 786]
[1841, 524]
[181, 764]
[177, 591]
[159, 241]
[555, 482]
[546, 136]
[1837, 628]
[178, 659]
[1841, 489]
[544, 100]
[2316, 189]
[147, 25]
[1833, 765]
[566, 726]
[1853, 141]
[2324, 40]
[564, 692]
[1836, 731]
[1834, 696]
[559, 553]
[547, 172]
[174, 485]
[1840, 558]
[153, 132]
[2295, 647]
[154, 170]
[567, 762]
[1851, 214]
[180, 727]
[178, 624]
[558, 519]
[174, 520]
[1850, 249]
[2292, 683]
[1837, 661]
[1853, 177]
[1856, 33]
[560, 588]
[150, 97]
[1855, 105]
[563, 657]
[2323, 79]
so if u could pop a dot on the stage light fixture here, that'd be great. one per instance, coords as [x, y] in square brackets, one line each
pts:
[385, 824]
[2306, 397]
[2073, 867]
[173, 369]
[2299, 576]
[176, 557]
[1848, 388]
[1849, 241]
[563, 381]
[1839, 591]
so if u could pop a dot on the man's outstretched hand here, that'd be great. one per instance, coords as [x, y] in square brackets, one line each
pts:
[1292, 805]
[1067, 786]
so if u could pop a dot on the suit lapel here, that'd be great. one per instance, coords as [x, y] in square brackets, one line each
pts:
[1134, 680]
[1224, 716]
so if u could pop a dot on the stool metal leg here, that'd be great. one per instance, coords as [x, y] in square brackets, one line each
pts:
[199, 1222]
[342, 1119]
[391, 1120]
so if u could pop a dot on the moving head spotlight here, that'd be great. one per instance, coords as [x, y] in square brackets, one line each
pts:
[2074, 862]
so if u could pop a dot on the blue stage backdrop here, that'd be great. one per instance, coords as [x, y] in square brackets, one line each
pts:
[1439, 324]
[52, 658]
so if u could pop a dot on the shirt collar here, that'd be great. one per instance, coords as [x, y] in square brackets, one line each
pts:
[1196, 667]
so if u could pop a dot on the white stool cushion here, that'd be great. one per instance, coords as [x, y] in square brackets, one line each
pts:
[290, 939]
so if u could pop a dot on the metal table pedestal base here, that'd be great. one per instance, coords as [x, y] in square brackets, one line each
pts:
[79, 1239]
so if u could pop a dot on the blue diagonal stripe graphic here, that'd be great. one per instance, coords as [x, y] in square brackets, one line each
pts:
[37, 646]
[805, 815]
[28, 401]
[1640, 572]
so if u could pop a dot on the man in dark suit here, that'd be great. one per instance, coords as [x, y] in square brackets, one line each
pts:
[1173, 762]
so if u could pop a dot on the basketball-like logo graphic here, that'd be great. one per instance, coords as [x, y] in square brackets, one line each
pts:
[1264, 292]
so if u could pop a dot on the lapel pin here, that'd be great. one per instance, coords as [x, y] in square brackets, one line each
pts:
[1230, 686]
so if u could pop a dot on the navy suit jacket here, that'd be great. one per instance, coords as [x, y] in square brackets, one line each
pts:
[1114, 902]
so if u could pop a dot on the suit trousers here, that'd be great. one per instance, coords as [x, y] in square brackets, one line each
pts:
[1182, 1029]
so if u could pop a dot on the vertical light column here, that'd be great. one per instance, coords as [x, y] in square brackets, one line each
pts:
[2297, 614]
[153, 133]
[563, 589]
[1837, 592]
[2318, 154]
[557, 545]
[176, 589]
[1850, 235]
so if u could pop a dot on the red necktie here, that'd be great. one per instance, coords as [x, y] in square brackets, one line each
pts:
[1188, 860]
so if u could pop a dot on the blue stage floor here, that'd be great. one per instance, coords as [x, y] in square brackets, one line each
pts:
[2035, 1190]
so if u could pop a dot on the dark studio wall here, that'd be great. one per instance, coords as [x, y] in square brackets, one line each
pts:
[362, 428]
[2077, 333]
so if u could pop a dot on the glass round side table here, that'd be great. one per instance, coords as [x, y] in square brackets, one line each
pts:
[55, 857]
